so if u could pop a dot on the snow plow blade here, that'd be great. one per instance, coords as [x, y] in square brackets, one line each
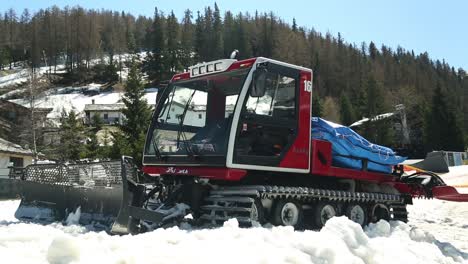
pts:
[50, 192]
[449, 193]
[132, 194]
[434, 162]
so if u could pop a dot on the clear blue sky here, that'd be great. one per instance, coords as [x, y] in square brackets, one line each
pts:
[438, 27]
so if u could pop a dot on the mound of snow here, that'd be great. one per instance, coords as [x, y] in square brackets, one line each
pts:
[340, 241]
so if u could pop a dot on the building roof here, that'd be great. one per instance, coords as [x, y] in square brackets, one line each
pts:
[104, 107]
[12, 148]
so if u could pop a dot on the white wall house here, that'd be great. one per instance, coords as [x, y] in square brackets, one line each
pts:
[13, 155]
[110, 114]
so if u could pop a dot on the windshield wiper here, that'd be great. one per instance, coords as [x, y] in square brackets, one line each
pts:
[180, 131]
[157, 153]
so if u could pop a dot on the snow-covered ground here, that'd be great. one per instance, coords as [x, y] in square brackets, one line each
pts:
[21, 76]
[437, 233]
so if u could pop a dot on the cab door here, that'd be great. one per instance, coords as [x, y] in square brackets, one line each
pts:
[268, 129]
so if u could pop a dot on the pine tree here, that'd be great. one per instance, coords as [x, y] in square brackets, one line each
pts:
[346, 110]
[92, 146]
[331, 110]
[110, 73]
[187, 40]
[71, 137]
[228, 34]
[137, 113]
[172, 55]
[217, 37]
[97, 122]
[316, 105]
[442, 131]
[373, 50]
[200, 38]
[155, 66]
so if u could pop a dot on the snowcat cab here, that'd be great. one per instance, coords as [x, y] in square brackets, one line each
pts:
[231, 116]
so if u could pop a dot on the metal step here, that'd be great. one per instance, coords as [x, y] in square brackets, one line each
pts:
[251, 192]
[239, 199]
[225, 208]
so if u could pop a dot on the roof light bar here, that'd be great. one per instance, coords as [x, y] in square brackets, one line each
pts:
[210, 67]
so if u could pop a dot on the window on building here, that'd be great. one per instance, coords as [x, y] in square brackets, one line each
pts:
[12, 115]
[106, 116]
[200, 116]
[17, 162]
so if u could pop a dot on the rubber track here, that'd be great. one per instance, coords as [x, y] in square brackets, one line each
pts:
[236, 197]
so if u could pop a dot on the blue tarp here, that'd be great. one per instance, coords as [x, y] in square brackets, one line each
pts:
[349, 148]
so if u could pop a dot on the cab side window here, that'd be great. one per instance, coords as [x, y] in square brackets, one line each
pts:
[279, 99]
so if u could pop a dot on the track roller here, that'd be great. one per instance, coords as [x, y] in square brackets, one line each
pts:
[288, 213]
[356, 213]
[379, 211]
[324, 211]
[258, 212]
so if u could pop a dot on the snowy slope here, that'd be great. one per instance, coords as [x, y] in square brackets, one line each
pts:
[437, 234]
[77, 101]
[21, 76]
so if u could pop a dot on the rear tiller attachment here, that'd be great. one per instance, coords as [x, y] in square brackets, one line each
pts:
[429, 185]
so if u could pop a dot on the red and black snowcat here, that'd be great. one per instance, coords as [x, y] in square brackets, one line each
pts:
[233, 139]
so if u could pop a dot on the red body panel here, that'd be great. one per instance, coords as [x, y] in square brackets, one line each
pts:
[449, 193]
[242, 64]
[180, 76]
[202, 172]
[297, 156]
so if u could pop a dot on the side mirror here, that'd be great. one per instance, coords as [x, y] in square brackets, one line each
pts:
[259, 82]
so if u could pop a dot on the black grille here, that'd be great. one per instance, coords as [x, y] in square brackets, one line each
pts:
[87, 174]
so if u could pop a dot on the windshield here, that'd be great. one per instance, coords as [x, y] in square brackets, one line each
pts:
[196, 116]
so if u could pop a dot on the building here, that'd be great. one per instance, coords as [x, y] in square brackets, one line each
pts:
[110, 114]
[15, 122]
[13, 155]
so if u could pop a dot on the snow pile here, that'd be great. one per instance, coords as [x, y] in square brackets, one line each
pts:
[340, 241]
[74, 217]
